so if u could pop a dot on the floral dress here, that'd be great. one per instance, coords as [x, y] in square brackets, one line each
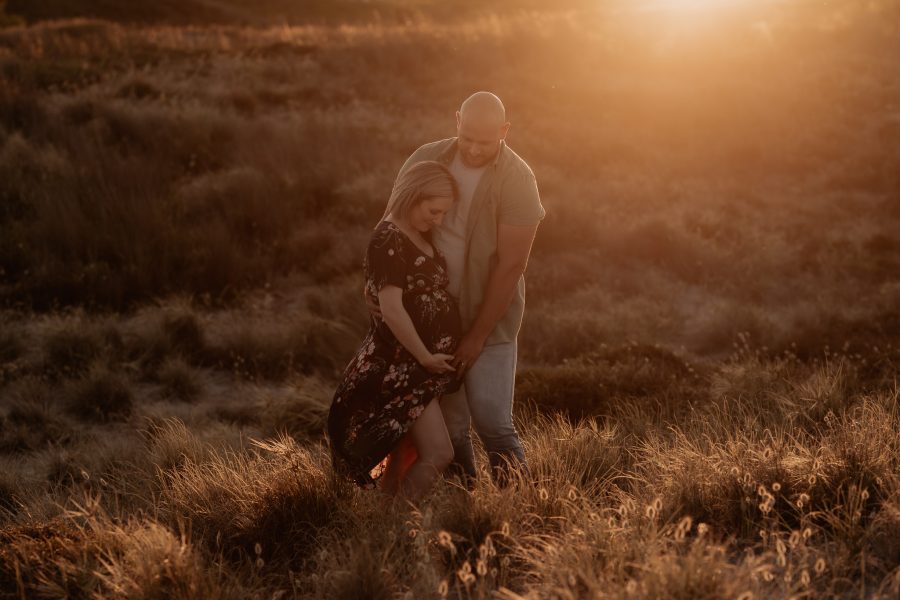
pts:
[384, 388]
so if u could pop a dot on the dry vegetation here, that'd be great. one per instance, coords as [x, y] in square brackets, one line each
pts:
[707, 386]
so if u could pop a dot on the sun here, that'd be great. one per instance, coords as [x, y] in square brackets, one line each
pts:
[689, 15]
[692, 6]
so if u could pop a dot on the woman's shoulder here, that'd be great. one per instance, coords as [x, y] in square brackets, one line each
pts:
[387, 237]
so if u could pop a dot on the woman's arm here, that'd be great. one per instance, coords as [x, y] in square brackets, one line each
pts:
[390, 298]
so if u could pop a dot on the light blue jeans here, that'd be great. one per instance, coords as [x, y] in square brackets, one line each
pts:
[485, 401]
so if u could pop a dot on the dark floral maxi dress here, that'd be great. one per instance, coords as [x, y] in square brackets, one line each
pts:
[384, 388]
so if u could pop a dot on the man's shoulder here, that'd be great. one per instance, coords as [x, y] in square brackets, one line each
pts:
[432, 150]
[513, 165]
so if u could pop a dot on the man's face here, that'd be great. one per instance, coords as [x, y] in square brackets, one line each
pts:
[479, 139]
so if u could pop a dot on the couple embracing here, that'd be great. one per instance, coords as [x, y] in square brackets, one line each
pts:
[445, 287]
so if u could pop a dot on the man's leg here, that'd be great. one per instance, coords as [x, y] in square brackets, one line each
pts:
[490, 384]
[457, 419]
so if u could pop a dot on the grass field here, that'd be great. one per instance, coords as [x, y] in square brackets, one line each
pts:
[707, 386]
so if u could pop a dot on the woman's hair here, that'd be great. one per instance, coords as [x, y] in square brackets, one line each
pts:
[423, 180]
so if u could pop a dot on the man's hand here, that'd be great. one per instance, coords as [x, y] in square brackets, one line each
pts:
[467, 353]
[374, 309]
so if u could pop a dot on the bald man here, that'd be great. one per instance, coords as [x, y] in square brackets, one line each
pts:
[486, 238]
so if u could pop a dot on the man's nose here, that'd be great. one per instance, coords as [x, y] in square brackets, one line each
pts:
[439, 219]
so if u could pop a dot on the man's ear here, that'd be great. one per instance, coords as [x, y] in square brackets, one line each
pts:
[504, 130]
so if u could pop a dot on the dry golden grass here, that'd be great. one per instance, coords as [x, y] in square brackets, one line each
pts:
[707, 382]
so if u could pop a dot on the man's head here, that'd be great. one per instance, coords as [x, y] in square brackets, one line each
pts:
[480, 126]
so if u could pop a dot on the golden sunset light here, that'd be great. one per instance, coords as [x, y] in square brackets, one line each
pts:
[508, 300]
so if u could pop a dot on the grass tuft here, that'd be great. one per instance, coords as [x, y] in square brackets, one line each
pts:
[277, 497]
[70, 349]
[100, 396]
[179, 380]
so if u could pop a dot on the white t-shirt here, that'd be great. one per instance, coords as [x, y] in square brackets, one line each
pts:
[450, 237]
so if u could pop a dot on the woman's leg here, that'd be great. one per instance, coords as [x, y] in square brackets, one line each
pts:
[435, 452]
[401, 457]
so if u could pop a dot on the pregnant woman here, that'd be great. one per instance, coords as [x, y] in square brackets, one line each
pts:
[385, 423]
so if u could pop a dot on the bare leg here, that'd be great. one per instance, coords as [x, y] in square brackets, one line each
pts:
[401, 457]
[432, 442]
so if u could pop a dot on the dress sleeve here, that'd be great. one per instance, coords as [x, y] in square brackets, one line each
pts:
[386, 260]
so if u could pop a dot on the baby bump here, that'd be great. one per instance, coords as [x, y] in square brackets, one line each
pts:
[436, 318]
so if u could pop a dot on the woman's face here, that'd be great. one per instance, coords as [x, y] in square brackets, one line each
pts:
[429, 213]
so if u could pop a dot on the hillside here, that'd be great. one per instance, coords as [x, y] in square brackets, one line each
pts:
[707, 368]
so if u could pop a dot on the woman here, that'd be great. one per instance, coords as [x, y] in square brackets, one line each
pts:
[385, 423]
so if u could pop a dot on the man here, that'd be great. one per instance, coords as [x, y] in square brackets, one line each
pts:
[486, 238]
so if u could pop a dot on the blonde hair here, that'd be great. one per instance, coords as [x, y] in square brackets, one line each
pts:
[423, 180]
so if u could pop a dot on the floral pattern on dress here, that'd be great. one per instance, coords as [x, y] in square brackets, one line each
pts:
[384, 389]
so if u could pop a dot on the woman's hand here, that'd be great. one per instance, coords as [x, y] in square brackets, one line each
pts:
[373, 308]
[437, 363]
[390, 298]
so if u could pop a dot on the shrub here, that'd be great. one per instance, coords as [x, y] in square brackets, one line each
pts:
[240, 414]
[54, 558]
[63, 468]
[300, 410]
[704, 571]
[179, 380]
[354, 569]
[173, 331]
[184, 332]
[22, 109]
[32, 424]
[827, 389]
[559, 334]
[9, 20]
[858, 449]
[87, 553]
[70, 349]
[100, 396]
[277, 497]
[341, 301]
[586, 454]
[148, 560]
[170, 444]
[729, 483]
[138, 89]
[275, 348]
[465, 524]
[11, 347]
[9, 489]
[599, 383]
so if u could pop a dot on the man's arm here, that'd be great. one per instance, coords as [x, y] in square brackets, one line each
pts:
[513, 248]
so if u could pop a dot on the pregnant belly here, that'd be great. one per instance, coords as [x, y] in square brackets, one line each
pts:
[436, 320]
